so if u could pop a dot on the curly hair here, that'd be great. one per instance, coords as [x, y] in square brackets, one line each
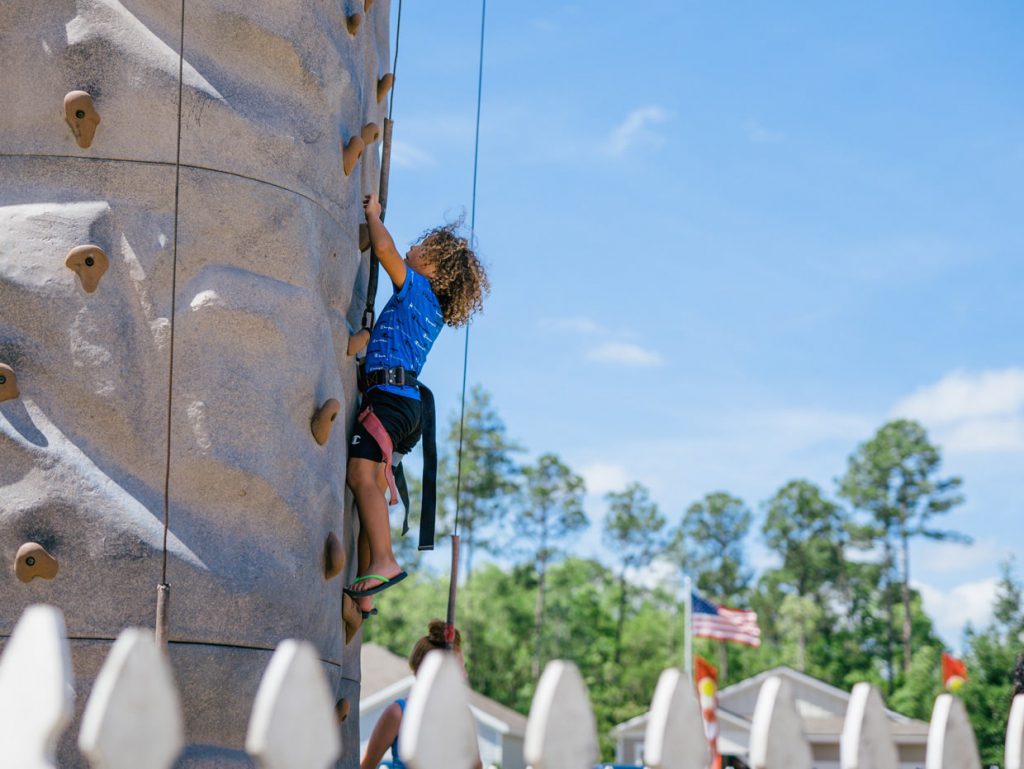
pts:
[461, 282]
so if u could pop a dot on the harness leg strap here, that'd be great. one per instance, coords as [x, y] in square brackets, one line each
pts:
[375, 428]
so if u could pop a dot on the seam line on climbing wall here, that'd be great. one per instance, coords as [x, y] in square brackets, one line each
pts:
[191, 167]
[240, 647]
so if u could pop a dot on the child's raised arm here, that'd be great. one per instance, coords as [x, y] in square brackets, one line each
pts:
[383, 245]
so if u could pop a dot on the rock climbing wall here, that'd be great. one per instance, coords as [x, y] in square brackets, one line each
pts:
[178, 231]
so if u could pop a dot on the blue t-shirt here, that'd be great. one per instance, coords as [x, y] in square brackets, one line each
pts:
[405, 331]
[396, 761]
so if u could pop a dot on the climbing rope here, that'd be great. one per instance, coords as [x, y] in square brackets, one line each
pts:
[163, 594]
[453, 584]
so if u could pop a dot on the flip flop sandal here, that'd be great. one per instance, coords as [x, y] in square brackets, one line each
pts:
[384, 585]
[371, 613]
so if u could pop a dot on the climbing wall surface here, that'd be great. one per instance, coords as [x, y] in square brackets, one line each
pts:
[246, 216]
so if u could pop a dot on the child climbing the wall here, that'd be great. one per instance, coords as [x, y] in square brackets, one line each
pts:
[440, 281]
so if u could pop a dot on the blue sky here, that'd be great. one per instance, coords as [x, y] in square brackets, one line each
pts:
[728, 241]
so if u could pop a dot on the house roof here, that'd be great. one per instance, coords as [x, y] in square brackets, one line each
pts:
[817, 729]
[386, 676]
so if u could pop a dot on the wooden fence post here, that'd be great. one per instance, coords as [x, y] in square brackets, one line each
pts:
[292, 723]
[777, 738]
[675, 736]
[561, 732]
[133, 718]
[951, 742]
[438, 730]
[36, 689]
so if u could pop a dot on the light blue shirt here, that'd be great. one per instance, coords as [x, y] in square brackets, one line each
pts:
[405, 331]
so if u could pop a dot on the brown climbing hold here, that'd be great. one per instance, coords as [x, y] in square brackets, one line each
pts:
[341, 710]
[82, 116]
[89, 263]
[33, 561]
[370, 133]
[8, 384]
[367, 4]
[364, 237]
[384, 85]
[323, 420]
[353, 22]
[351, 154]
[352, 616]
[334, 556]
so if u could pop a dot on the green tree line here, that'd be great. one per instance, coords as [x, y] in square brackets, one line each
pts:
[837, 605]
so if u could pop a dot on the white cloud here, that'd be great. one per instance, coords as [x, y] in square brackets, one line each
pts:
[624, 354]
[758, 134]
[579, 324]
[972, 412]
[634, 128]
[952, 609]
[602, 477]
[405, 155]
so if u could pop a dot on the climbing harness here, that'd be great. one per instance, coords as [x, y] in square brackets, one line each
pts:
[449, 631]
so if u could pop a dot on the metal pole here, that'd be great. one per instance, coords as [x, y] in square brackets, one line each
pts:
[688, 626]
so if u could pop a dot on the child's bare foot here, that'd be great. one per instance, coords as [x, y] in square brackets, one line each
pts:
[376, 579]
[358, 341]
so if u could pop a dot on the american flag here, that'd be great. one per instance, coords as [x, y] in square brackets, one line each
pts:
[722, 624]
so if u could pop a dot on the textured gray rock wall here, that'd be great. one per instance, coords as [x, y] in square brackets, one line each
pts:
[257, 229]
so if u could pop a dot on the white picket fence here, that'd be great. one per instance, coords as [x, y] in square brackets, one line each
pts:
[133, 717]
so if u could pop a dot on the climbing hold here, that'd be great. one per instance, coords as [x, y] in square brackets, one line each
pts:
[353, 22]
[334, 556]
[89, 263]
[351, 154]
[82, 116]
[364, 237]
[341, 710]
[8, 384]
[33, 561]
[370, 133]
[367, 5]
[384, 85]
[323, 420]
[352, 616]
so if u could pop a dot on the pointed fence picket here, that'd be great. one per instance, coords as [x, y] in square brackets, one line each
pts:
[133, 718]
[866, 741]
[36, 689]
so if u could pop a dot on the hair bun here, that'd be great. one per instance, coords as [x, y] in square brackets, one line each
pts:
[435, 632]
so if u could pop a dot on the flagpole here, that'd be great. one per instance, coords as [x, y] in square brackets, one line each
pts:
[688, 627]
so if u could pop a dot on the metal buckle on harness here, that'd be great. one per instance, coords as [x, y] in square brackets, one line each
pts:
[368, 319]
[395, 376]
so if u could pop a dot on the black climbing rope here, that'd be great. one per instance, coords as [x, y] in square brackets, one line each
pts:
[453, 585]
[163, 591]
[385, 174]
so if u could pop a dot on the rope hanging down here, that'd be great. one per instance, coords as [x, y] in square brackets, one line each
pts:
[453, 585]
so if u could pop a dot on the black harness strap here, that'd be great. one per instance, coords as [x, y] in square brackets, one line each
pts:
[428, 500]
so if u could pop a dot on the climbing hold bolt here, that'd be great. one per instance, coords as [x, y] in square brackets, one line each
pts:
[82, 116]
[341, 710]
[33, 561]
[334, 556]
[370, 133]
[353, 22]
[8, 383]
[351, 154]
[352, 617]
[323, 420]
[384, 85]
[89, 263]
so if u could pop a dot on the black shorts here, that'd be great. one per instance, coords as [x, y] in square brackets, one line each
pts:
[402, 418]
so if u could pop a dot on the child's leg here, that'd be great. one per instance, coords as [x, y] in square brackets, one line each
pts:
[364, 477]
